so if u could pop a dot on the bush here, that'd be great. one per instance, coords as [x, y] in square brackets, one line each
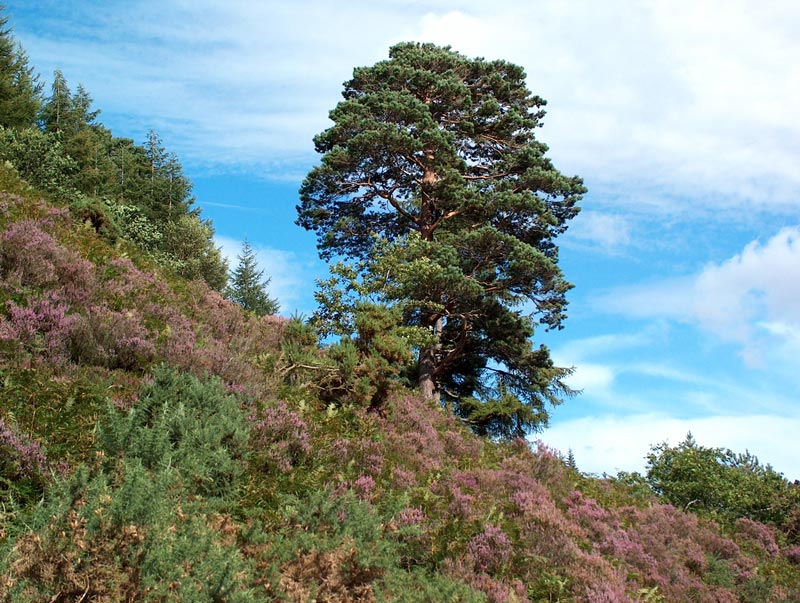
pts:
[724, 484]
[194, 427]
[144, 523]
[39, 158]
[123, 535]
[340, 548]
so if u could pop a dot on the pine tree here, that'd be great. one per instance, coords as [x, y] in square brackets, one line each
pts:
[169, 191]
[64, 113]
[20, 90]
[248, 288]
[434, 188]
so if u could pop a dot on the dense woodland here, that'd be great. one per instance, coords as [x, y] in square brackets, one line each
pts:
[164, 436]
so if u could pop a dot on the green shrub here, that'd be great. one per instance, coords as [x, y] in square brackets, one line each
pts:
[123, 534]
[724, 484]
[193, 427]
[338, 547]
[143, 523]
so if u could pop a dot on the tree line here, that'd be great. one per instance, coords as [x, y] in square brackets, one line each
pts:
[138, 192]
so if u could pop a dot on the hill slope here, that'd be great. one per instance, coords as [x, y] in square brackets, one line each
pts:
[160, 444]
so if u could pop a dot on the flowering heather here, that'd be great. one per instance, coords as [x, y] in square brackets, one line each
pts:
[596, 520]
[410, 516]
[495, 590]
[364, 487]
[42, 328]
[30, 459]
[113, 339]
[490, 550]
[605, 593]
[403, 478]
[281, 437]
[177, 338]
[758, 533]
[124, 281]
[793, 554]
[461, 504]
[412, 434]
[458, 445]
[593, 575]
[30, 257]
[222, 317]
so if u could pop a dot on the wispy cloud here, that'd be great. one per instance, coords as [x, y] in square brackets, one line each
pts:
[603, 232]
[752, 299]
[677, 101]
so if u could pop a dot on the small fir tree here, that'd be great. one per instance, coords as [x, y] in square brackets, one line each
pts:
[248, 287]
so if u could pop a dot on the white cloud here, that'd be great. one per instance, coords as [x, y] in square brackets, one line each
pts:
[609, 444]
[751, 299]
[669, 100]
[606, 232]
[591, 376]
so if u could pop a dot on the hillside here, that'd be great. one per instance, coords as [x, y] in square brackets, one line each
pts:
[158, 442]
[161, 444]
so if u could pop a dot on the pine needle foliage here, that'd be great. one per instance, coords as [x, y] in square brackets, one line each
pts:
[434, 188]
[193, 427]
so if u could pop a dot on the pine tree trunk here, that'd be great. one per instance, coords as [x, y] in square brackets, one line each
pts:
[427, 384]
[428, 364]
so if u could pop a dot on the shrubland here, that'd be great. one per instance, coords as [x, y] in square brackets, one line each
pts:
[159, 442]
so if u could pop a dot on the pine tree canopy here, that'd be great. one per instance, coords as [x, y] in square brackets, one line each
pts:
[434, 187]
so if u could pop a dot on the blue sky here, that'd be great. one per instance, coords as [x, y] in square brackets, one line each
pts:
[682, 117]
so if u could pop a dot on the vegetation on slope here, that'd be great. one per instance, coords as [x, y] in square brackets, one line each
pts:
[160, 443]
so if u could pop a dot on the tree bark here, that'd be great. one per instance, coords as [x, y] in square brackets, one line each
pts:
[428, 363]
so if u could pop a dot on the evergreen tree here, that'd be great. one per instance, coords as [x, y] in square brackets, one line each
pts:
[434, 187]
[20, 90]
[70, 119]
[64, 113]
[188, 245]
[169, 191]
[248, 288]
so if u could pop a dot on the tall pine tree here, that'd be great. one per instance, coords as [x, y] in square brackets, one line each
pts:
[434, 188]
[20, 90]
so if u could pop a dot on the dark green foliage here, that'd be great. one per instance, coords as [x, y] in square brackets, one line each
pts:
[724, 484]
[433, 185]
[363, 368]
[248, 287]
[39, 158]
[505, 416]
[20, 90]
[65, 114]
[369, 363]
[190, 251]
[170, 191]
[143, 523]
[183, 423]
